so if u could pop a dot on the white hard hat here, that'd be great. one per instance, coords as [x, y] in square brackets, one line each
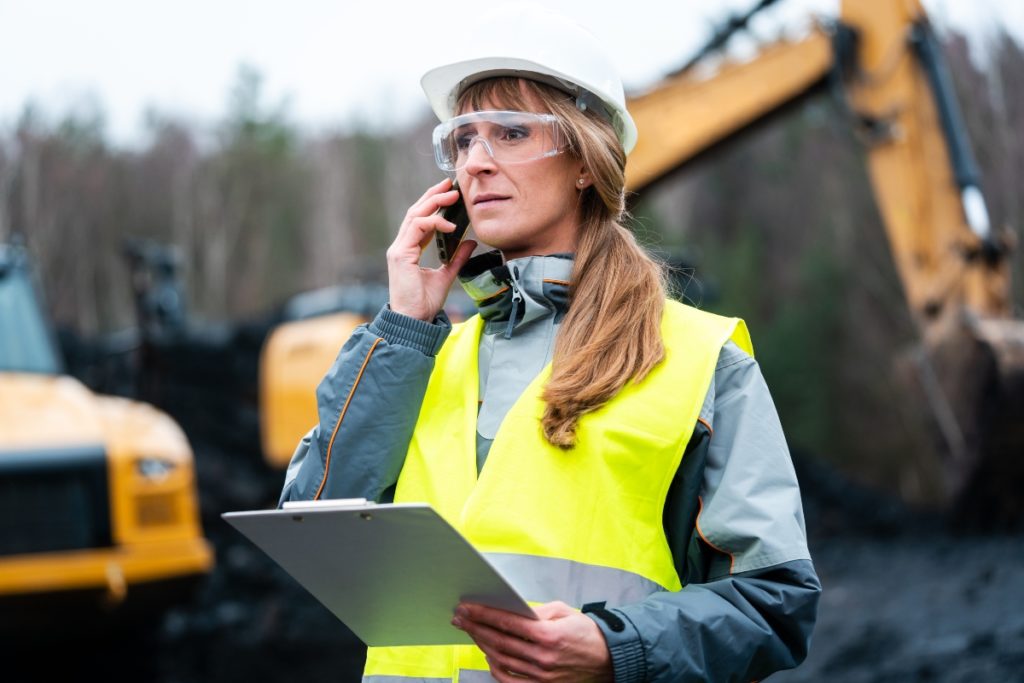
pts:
[530, 41]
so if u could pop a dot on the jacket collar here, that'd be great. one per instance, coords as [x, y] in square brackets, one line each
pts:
[533, 287]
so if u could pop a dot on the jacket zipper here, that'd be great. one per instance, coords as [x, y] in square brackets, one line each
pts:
[517, 297]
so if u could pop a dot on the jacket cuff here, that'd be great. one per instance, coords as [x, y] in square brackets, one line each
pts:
[625, 647]
[396, 328]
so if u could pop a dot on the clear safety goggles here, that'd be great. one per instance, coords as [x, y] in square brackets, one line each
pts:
[510, 137]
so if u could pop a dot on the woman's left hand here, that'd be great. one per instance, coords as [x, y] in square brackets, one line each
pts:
[563, 645]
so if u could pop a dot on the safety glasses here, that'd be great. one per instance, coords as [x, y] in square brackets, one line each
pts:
[510, 137]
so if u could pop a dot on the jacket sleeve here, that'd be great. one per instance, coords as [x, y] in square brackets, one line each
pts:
[368, 404]
[734, 520]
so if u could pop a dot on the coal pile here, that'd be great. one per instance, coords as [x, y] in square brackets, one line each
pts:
[907, 597]
[927, 608]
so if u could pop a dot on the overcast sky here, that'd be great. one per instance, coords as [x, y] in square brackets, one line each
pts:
[333, 61]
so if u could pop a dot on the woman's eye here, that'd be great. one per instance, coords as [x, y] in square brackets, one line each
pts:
[462, 142]
[515, 133]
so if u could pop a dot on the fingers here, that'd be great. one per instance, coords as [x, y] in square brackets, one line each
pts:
[442, 186]
[434, 202]
[499, 619]
[562, 641]
[512, 670]
[422, 219]
[425, 230]
[434, 198]
[493, 640]
[505, 676]
[413, 290]
[510, 657]
[515, 646]
[415, 234]
[553, 610]
[428, 223]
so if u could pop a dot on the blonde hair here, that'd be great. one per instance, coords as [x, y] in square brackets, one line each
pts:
[611, 334]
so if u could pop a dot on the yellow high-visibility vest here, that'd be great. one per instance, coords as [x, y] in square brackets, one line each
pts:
[582, 525]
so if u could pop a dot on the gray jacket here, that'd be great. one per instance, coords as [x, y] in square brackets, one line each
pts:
[733, 517]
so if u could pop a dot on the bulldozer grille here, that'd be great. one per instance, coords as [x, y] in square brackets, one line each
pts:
[54, 500]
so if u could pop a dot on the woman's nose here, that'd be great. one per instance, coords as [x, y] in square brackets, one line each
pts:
[479, 156]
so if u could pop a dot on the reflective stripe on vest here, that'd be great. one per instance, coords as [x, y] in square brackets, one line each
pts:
[579, 526]
[546, 579]
[465, 676]
[475, 676]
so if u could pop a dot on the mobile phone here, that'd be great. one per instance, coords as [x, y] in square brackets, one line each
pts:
[448, 242]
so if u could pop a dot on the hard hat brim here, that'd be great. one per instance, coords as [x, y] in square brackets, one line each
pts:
[443, 85]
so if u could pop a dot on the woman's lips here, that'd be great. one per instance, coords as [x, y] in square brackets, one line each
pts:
[485, 199]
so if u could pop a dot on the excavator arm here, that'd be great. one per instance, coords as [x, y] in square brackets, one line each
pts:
[923, 175]
[921, 166]
[686, 115]
[887, 63]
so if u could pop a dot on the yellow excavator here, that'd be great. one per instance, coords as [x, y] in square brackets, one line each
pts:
[99, 516]
[952, 264]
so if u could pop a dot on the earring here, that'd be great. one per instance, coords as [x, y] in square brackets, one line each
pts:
[581, 181]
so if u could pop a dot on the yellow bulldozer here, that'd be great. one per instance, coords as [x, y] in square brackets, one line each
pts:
[99, 515]
[886, 62]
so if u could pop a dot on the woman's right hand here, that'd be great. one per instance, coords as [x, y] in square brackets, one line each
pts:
[413, 290]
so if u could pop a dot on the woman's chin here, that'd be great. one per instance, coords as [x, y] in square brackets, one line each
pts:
[496, 240]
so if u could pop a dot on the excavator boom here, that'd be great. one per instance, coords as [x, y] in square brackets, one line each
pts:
[887, 63]
[686, 115]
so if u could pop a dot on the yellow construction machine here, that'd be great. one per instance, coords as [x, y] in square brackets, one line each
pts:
[952, 264]
[294, 359]
[98, 505]
[884, 58]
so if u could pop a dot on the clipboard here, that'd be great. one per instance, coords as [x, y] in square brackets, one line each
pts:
[392, 573]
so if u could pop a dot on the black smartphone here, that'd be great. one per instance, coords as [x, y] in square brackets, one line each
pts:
[448, 242]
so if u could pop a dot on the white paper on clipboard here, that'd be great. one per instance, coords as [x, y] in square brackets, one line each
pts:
[392, 573]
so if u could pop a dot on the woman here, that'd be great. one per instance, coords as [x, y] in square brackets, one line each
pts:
[615, 454]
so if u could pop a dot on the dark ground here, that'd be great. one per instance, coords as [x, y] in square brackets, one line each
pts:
[932, 608]
[905, 598]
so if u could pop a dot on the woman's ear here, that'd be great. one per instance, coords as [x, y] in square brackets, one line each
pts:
[583, 180]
